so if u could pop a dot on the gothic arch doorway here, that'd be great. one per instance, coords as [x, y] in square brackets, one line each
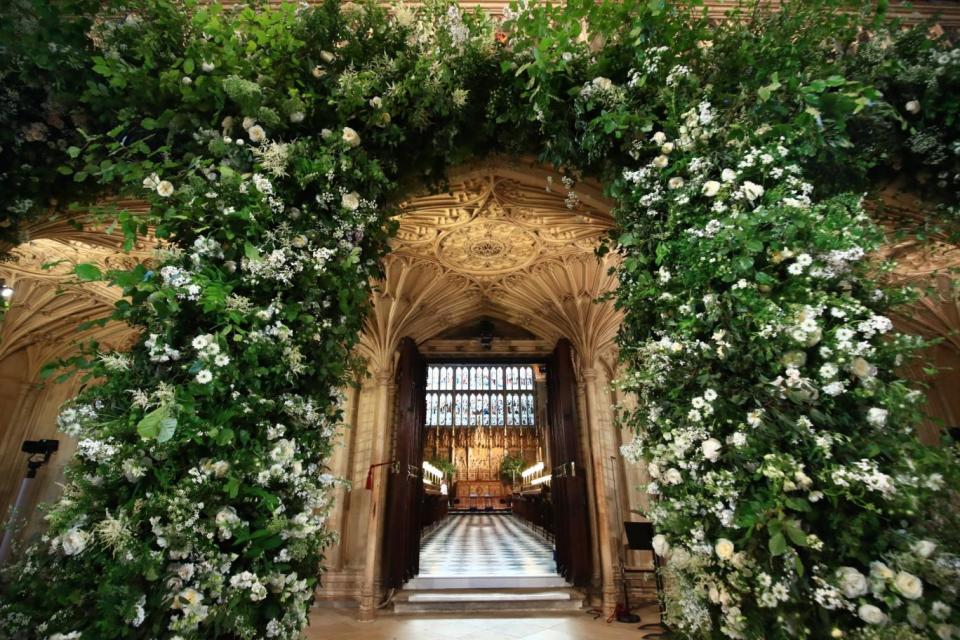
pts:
[510, 243]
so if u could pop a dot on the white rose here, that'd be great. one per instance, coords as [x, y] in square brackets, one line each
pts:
[326, 56]
[74, 541]
[881, 571]
[861, 368]
[852, 583]
[659, 138]
[711, 188]
[666, 148]
[672, 476]
[297, 117]
[350, 201]
[909, 585]
[208, 66]
[249, 122]
[724, 549]
[151, 181]
[711, 449]
[653, 469]
[376, 102]
[728, 175]
[351, 137]
[165, 188]
[660, 545]
[256, 133]
[675, 182]
[913, 106]
[924, 548]
[660, 162]
[871, 614]
[876, 416]
[947, 631]
[751, 191]
[319, 72]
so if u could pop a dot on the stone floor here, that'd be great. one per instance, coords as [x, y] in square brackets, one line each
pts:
[485, 545]
[338, 624]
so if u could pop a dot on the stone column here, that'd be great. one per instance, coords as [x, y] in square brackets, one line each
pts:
[382, 433]
[587, 456]
[607, 568]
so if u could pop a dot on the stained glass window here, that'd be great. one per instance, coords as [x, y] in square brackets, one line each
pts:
[466, 395]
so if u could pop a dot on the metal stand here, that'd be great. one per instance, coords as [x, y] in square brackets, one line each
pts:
[39, 452]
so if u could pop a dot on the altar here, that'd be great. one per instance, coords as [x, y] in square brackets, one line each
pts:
[482, 495]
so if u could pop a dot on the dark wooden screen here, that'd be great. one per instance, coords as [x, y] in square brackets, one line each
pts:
[401, 545]
[568, 487]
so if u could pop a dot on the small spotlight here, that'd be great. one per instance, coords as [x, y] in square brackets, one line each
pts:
[5, 292]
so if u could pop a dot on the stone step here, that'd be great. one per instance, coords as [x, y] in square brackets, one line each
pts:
[545, 581]
[425, 601]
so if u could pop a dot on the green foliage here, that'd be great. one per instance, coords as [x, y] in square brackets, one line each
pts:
[271, 145]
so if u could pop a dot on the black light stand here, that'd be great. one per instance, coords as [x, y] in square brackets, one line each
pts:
[39, 452]
[625, 615]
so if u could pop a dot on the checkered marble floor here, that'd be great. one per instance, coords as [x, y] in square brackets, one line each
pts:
[485, 545]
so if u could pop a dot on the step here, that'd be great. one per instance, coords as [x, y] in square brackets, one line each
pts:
[424, 601]
[545, 581]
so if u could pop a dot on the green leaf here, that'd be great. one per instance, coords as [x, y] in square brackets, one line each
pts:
[88, 272]
[73, 152]
[795, 533]
[188, 66]
[778, 545]
[251, 251]
[158, 424]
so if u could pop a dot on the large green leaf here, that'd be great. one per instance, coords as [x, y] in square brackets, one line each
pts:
[158, 424]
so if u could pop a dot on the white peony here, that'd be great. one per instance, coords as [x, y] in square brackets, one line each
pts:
[659, 138]
[852, 583]
[351, 137]
[751, 191]
[871, 614]
[207, 66]
[728, 175]
[350, 201]
[724, 549]
[165, 188]
[711, 188]
[660, 162]
[711, 449]
[672, 476]
[877, 417]
[297, 117]
[675, 182]
[666, 148]
[256, 134]
[862, 369]
[74, 541]
[913, 106]
[660, 545]
[248, 122]
[909, 585]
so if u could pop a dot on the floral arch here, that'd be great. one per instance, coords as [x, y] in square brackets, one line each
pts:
[274, 146]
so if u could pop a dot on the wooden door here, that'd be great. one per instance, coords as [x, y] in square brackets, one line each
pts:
[569, 484]
[401, 550]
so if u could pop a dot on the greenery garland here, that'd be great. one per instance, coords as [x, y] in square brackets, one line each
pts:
[793, 498]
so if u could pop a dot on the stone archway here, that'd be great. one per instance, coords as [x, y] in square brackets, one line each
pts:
[509, 241]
